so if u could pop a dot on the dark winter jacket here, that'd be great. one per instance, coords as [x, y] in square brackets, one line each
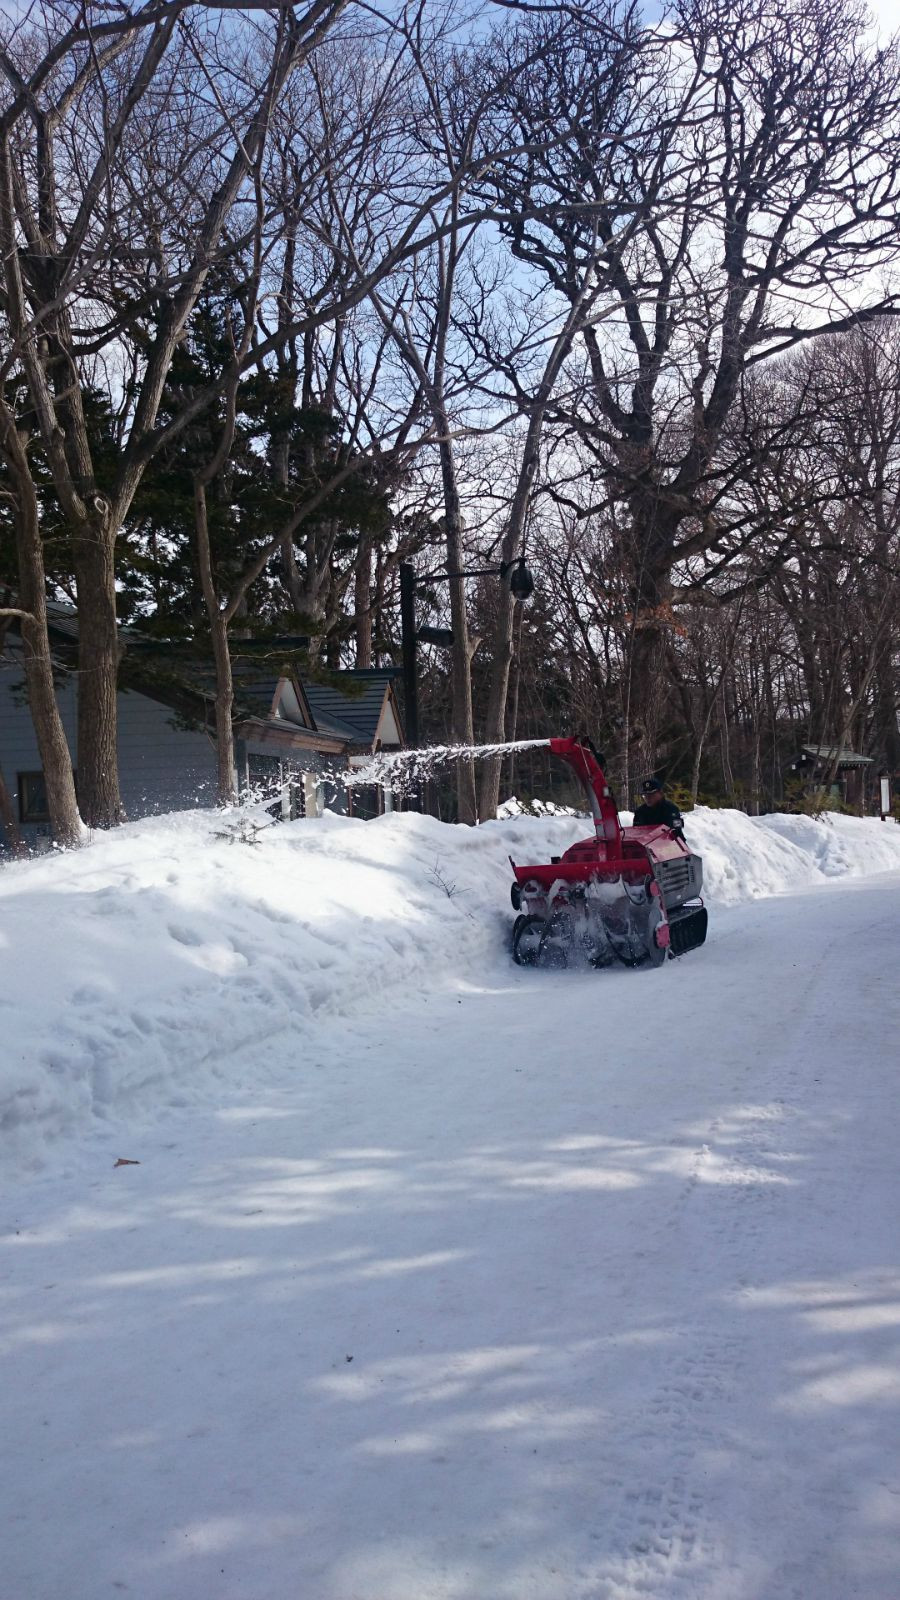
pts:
[665, 812]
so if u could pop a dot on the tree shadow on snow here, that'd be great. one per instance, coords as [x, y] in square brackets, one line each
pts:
[370, 1358]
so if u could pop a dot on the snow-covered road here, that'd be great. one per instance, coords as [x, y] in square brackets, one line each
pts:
[564, 1287]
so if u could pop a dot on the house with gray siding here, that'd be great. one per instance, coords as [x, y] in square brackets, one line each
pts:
[291, 738]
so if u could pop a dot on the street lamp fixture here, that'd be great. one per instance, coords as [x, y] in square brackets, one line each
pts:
[520, 580]
[521, 584]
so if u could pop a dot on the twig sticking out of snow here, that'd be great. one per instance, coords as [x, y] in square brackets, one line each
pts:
[441, 881]
[244, 831]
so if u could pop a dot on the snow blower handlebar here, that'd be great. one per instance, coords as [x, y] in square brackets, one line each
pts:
[603, 807]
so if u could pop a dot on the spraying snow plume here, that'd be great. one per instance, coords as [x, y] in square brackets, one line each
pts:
[401, 769]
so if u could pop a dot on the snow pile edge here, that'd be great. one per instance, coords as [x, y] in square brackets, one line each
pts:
[161, 966]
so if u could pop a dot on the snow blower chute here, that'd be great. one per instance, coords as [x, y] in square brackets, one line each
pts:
[628, 894]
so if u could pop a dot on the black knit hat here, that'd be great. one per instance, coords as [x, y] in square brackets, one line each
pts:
[649, 785]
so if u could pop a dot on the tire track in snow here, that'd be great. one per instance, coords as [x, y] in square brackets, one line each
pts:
[663, 1540]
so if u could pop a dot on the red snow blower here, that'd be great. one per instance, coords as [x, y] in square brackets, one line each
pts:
[628, 894]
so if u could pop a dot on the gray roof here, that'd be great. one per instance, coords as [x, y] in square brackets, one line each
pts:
[254, 688]
[346, 705]
[335, 725]
[351, 713]
[256, 692]
[355, 713]
[62, 619]
[827, 752]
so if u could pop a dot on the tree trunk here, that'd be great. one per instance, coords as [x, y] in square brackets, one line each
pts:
[9, 824]
[650, 559]
[98, 671]
[362, 580]
[218, 627]
[695, 770]
[502, 651]
[703, 734]
[56, 760]
[225, 763]
[461, 681]
[498, 691]
[513, 724]
[855, 699]
[756, 772]
[725, 743]
[888, 733]
[645, 678]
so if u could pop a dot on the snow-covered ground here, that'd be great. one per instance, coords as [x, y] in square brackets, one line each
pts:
[438, 1280]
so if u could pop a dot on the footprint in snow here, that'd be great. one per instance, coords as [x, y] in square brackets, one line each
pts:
[89, 994]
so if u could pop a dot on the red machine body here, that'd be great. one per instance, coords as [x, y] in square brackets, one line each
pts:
[631, 894]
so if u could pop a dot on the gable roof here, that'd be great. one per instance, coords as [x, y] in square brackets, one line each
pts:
[353, 703]
[62, 624]
[352, 708]
[827, 752]
[349, 705]
[282, 697]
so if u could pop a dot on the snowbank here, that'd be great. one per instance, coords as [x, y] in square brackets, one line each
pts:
[161, 963]
[748, 858]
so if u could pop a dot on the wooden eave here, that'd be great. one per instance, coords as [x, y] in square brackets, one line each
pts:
[288, 736]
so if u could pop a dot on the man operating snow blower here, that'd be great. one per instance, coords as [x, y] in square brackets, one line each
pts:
[625, 894]
[656, 808]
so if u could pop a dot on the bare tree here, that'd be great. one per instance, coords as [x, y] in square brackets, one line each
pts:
[418, 314]
[105, 256]
[70, 211]
[31, 615]
[743, 190]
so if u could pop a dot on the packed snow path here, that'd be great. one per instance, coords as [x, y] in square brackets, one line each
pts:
[564, 1287]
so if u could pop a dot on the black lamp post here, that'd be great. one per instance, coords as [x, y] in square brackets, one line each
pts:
[521, 585]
